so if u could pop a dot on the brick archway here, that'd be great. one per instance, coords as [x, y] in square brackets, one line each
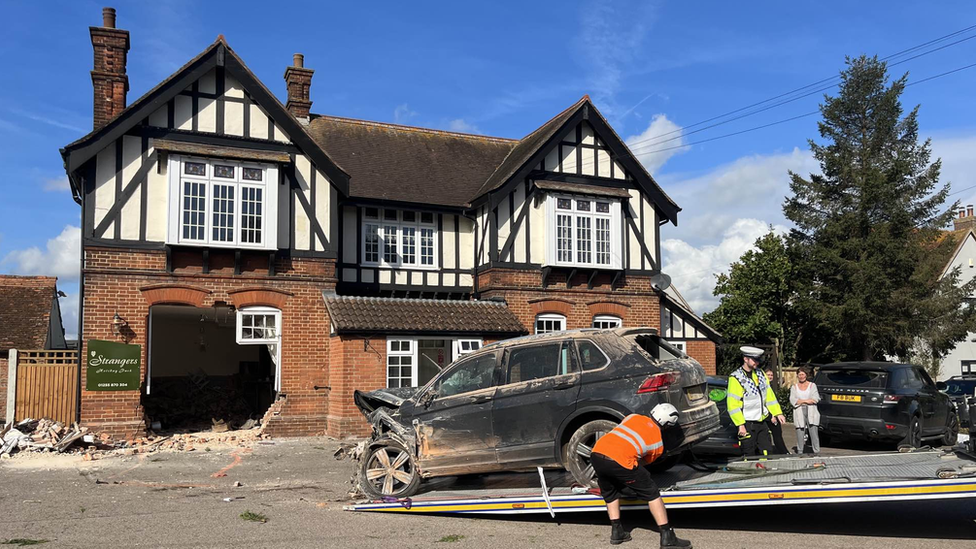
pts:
[174, 294]
[559, 306]
[612, 308]
[259, 295]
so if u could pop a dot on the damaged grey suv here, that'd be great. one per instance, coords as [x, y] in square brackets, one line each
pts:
[539, 400]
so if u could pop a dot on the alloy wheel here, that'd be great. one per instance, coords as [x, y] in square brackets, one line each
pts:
[389, 470]
[583, 453]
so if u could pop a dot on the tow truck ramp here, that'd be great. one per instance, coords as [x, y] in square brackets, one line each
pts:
[915, 476]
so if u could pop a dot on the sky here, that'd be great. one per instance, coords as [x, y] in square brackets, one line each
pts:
[656, 70]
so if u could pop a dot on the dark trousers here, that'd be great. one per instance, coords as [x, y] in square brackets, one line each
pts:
[777, 431]
[759, 442]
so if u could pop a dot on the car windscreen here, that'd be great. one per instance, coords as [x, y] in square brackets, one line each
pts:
[853, 379]
[959, 387]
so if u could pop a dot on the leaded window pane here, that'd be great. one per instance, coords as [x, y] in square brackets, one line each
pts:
[371, 249]
[583, 205]
[194, 210]
[390, 254]
[226, 172]
[564, 238]
[564, 204]
[252, 174]
[427, 246]
[603, 207]
[409, 217]
[195, 168]
[409, 245]
[222, 226]
[602, 240]
[390, 215]
[426, 217]
[583, 242]
[251, 212]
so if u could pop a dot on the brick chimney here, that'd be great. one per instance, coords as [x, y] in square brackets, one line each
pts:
[108, 76]
[965, 218]
[299, 80]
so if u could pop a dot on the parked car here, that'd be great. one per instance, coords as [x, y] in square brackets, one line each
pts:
[724, 441]
[540, 400]
[884, 401]
[960, 389]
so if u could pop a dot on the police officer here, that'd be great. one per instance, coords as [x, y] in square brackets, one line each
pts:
[618, 459]
[750, 402]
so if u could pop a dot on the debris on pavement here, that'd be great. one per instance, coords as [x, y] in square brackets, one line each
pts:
[46, 435]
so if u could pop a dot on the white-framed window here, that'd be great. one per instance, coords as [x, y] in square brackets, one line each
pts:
[401, 363]
[399, 238]
[262, 326]
[605, 322]
[549, 322]
[222, 203]
[967, 367]
[679, 345]
[465, 346]
[586, 232]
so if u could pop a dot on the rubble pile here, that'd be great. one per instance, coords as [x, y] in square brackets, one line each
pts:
[40, 435]
[45, 435]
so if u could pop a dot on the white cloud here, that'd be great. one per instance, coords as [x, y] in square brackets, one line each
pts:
[56, 184]
[462, 126]
[402, 114]
[693, 269]
[647, 146]
[60, 257]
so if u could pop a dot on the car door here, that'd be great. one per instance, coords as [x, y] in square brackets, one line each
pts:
[541, 388]
[453, 418]
[926, 401]
[940, 403]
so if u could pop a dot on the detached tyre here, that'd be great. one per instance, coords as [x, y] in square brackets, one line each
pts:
[388, 470]
[576, 454]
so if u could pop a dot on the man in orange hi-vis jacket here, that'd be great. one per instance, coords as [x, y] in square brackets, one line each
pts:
[618, 459]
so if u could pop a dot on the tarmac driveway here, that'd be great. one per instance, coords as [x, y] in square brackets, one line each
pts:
[171, 499]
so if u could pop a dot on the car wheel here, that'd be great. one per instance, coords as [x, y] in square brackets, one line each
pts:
[951, 435]
[388, 470]
[914, 436]
[576, 454]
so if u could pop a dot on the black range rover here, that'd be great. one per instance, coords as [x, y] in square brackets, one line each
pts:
[884, 401]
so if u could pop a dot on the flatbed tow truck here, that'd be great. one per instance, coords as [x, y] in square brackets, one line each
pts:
[789, 480]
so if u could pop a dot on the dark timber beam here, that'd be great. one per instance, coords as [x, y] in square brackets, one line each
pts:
[643, 245]
[127, 192]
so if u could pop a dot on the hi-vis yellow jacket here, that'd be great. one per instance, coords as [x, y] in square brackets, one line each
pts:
[750, 398]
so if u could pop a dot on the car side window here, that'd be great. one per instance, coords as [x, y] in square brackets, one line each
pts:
[540, 361]
[926, 380]
[471, 375]
[591, 356]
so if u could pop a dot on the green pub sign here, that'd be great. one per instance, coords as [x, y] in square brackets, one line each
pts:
[112, 366]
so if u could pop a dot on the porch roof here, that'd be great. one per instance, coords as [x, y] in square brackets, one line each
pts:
[386, 315]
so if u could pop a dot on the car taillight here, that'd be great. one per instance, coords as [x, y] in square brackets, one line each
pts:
[892, 398]
[658, 382]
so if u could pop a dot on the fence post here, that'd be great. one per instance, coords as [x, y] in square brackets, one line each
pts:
[11, 384]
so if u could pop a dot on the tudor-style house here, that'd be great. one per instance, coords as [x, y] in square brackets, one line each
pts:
[270, 261]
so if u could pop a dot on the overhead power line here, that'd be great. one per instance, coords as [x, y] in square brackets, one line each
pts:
[683, 130]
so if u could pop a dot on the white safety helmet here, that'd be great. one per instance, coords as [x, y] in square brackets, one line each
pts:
[665, 415]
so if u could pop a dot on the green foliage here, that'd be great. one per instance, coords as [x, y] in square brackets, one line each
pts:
[253, 517]
[783, 397]
[867, 251]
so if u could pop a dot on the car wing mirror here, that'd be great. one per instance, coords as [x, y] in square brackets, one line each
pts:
[941, 385]
[428, 398]
[717, 395]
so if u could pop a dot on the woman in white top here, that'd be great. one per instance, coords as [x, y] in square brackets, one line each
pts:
[804, 397]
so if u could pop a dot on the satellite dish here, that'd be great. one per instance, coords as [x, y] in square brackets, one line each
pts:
[660, 282]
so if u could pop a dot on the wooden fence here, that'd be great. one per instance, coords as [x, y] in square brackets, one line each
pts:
[47, 385]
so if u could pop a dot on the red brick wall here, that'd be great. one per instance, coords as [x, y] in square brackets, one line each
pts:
[3, 388]
[354, 365]
[704, 353]
[633, 300]
[129, 281]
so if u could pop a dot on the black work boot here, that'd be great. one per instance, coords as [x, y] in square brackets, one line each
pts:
[670, 540]
[617, 533]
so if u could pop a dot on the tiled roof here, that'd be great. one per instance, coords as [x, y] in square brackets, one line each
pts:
[25, 311]
[394, 162]
[393, 315]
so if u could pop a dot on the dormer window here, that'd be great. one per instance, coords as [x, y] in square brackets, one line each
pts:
[585, 232]
[222, 203]
[399, 238]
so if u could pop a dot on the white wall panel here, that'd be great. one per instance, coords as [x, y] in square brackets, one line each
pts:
[105, 186]
[132, 210]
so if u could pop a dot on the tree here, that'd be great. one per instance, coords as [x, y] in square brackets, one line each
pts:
[867, 248]
[755, 294]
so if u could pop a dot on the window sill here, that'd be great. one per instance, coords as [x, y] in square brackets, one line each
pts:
[223, 246]
[400, 267]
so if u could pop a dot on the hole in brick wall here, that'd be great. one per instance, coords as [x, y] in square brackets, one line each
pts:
[198, 373]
